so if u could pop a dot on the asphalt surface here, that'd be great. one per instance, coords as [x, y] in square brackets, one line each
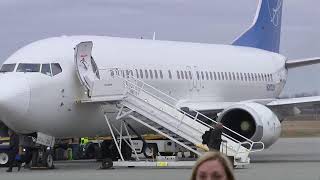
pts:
[289, 158]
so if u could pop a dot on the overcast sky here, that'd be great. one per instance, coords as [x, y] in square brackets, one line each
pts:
[206, 21]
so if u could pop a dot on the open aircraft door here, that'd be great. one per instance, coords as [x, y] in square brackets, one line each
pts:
[86, 67]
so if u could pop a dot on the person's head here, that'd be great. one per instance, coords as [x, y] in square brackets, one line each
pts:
[212, 166]
[219, 125]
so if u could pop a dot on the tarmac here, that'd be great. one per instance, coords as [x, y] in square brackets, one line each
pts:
[288, 158]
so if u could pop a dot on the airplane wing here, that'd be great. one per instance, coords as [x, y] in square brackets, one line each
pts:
[282, 107]
[292, 106]
[302, 62]
[295, 101]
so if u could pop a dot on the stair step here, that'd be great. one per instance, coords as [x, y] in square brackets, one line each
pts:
[158, 121]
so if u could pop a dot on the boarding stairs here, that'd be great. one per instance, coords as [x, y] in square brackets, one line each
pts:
[155, 109]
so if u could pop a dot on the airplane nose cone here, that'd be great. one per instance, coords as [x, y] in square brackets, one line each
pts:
[14, 100]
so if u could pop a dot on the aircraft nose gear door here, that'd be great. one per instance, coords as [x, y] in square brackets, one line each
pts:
[86, 67]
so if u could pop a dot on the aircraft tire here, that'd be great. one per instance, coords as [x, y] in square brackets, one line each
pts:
[47, 160]
[4, 159]
[150, 150]
[106, 163]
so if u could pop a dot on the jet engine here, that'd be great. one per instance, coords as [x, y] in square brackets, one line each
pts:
[253, 121]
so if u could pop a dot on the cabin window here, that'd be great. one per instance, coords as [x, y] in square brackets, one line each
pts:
[137, 73]
[161, 75]
[218, 75]
[241, 76]
[238, 78]
[233, 76]
[56, 68]
[186, 74]
[151, 74]
[170, 75]
[127, 73]
[210, 75]
[7, 67]
[111, 73]
[146, 73]
[198, 76]
[141, 73]
[190, 74]
[207, 76]
[215, 75]
[271, 77]
[182, 75]
[45, 69]
[245, 76]
[202, 75]
[117, 72]
[178, 75]
[226, 75]
[25, 67]
[156, 74]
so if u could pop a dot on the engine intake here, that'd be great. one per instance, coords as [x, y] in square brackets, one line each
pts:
[253, 121]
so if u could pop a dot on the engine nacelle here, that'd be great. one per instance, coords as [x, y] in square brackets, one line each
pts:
[253, 121]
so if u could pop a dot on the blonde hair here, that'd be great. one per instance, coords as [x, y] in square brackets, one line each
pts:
[214, 155]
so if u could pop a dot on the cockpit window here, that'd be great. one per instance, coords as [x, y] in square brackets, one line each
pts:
[46, 69]
[56, 68]
[7, 67]
[24, 67]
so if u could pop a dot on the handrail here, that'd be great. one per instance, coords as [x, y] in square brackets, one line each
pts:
[127, 79]
[185, 113]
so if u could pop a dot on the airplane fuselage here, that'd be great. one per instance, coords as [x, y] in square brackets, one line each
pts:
[190, 72]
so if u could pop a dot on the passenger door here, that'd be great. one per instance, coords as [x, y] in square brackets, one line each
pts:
[86, 67]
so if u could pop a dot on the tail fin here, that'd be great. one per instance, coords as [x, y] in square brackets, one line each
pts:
[265, 31]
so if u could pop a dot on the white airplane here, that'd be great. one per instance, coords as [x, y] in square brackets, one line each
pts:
[239, 82]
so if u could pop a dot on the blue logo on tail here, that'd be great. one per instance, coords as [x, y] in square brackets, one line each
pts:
[265, 31]
[275, 13]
